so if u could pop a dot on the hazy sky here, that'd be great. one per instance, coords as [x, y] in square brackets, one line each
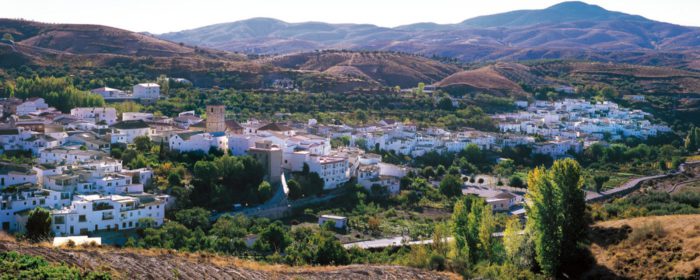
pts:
[158, 16]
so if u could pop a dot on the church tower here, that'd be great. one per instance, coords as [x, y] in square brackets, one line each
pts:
[216, 117]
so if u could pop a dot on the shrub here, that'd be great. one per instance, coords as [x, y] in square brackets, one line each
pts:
[646, 231]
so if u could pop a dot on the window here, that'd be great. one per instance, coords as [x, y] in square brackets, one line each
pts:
[82, 218]
[59, 220]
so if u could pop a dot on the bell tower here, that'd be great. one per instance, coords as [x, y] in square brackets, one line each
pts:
[216, 118]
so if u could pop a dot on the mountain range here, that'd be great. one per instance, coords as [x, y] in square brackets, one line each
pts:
[569, 30]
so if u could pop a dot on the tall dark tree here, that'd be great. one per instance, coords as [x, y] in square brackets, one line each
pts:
[39, 224]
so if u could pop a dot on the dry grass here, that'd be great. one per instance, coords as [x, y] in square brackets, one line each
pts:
[134, 263]
[648, 247]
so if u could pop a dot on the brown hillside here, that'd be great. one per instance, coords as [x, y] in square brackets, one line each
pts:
[164, 264]
[486, 79]
[643, 79]
[385, 68]
[663, 247]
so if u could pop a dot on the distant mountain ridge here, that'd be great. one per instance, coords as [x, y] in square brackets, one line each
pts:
[569, 30]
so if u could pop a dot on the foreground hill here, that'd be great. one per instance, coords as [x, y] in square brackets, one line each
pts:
[164, 264]
[570, 30]
[665, 247]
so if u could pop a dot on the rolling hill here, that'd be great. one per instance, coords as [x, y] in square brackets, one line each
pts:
[570, 30]
[86, 47]
[375, 67]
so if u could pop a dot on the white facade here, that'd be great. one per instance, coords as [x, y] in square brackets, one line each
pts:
[147, 91]
[31, 105]
[198, 141]
[90, 213]
[96, 114]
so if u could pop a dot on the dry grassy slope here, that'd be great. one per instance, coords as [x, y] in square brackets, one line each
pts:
[385, 68]
[162, 264]
[648, 248]
[489, 79]
[651, 79]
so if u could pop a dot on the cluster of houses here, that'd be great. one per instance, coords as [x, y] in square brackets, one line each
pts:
[87, 191]
[572, 124]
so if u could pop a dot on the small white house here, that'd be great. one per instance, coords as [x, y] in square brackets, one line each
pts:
[340, 222]
[126, 131]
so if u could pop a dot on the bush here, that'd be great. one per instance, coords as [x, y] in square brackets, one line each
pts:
[646, 231]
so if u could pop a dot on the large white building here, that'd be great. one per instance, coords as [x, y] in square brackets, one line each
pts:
[90, 213]
[147, 91]
[15, 204]
[198, 141]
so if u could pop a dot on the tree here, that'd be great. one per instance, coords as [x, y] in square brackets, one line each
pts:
[692, 140]
[445, 103]
[142, 143]
[205, 175]
[451, 185]
[294, 189]
[39, 224]
[264, 191]
[487, 226]
[460, 229]
[544, 219]
[567, 179]
[193, 218]
[440, 239]
[440, 171]
[428, 172]
[516, 182]
[274, 238]
[505, 168]
[599, 182]
[513, 240]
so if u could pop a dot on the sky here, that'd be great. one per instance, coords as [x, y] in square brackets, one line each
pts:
[160, 16]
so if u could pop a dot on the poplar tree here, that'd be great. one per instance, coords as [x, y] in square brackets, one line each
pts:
[544, 219]
[487, 226]
[567, 179]
[459, 227]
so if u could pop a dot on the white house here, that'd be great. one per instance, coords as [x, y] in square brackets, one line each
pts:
[15, 174]
[31, 105]
[22, 200]
[198, 141]
[147, 91]
[61, 155]
[96, 114]
[90, 213]
[110, 93]
[133, 116]
[126, 131]
[339, 222]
